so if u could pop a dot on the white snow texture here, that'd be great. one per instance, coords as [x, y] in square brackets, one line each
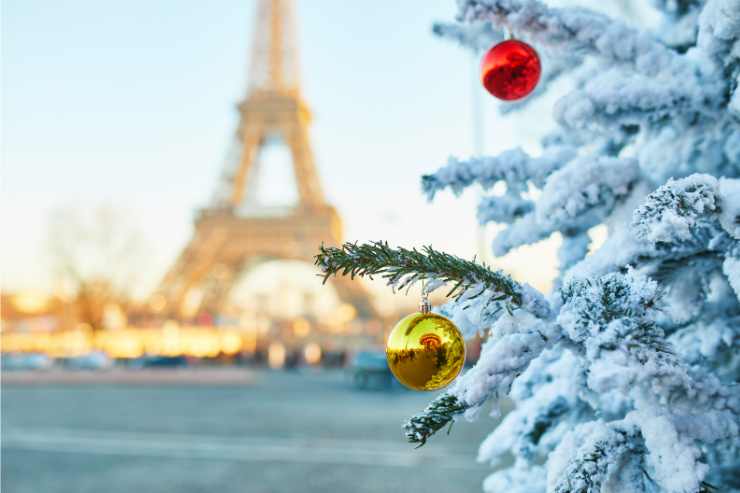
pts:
[624, 378]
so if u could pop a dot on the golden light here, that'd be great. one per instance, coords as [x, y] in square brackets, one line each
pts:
[171, 344]
[129, 342]
[338, 321]
[345, 313]
[200, 342]
[231, 342]
[71, 343]
[250, 342]
[263, 325]
[312, 353]
[158, 303]
[30, 302]
[192, 302]
[113, 317]
[124, 344]
[276, 355]
[301, 327]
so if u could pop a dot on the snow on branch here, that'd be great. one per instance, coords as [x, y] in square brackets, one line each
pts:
[678, 30]
[573, 249]
[671, 460]
[581, 194]
[611, 100]
[515, 341]
[503, 209]
[590, 456]
[719, 31]
[521, 478]
[711, 343]
[480, 36]
[677, 8]
[575, 198]
[521, 430]
[523, 231]
[553, 67]
[731, 268]
[576, 30]
[589, 306]
[706, 147]
[663, 83]
[680, 219]
[680, 215]
[543, 412]
[436, 416]
[612, 319]
[515, 167]
[477, 36]
[729, 194]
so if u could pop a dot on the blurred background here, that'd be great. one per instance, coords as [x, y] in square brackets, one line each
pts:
[169, 169]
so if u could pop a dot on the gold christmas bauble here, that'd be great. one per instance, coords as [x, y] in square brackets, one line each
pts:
[425, 351]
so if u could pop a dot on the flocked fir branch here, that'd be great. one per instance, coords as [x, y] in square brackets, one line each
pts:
[480, 36]
[602, 450]
[514, 167]
[515, 340]
[477, 36]
[576, 30]
[625, 377]
[503, 209]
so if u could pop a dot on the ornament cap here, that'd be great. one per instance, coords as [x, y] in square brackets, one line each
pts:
[425, 306]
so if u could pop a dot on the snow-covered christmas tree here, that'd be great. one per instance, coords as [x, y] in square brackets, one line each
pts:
[624, 377]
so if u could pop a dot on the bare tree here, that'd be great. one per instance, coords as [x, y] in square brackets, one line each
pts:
[96, 255]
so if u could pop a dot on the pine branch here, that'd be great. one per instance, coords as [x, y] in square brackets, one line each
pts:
[436, 416]
[401, 268]
[595, 461]
[681, 216]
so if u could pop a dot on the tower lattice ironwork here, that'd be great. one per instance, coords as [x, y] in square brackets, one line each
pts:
[234, 231]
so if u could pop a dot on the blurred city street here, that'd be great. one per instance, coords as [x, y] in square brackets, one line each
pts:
[269, 431]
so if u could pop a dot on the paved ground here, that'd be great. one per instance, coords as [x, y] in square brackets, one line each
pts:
[282, 432]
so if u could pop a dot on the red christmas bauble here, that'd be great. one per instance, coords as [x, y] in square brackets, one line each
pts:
[510, 70]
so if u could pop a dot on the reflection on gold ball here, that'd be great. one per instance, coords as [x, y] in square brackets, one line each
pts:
[425, 351]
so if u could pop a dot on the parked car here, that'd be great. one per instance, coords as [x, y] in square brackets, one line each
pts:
[370, 371]
[25, 361]
[95, 360]
[159, 362]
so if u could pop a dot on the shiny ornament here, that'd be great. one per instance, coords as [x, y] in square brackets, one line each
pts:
[425, 351]
[511, 70]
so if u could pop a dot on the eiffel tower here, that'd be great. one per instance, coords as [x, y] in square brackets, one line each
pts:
[234, 232]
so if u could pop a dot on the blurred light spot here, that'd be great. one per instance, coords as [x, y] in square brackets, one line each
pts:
[312, 353]
[276, 355]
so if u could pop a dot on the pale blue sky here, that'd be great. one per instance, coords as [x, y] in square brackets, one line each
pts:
[132, 104]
